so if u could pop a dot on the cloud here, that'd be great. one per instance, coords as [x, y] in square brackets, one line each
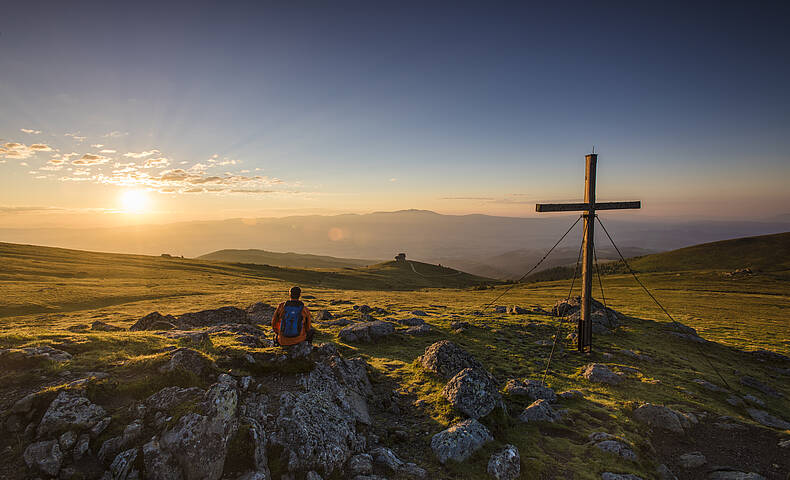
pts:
[107, 150]
[28, 130]
[147, 153]
[156, 162]
[22, 209]
[75, 136]
[90, 159]
[24, 164]
[115, 134]
[467, 198]
[21, 151]
[97, 145]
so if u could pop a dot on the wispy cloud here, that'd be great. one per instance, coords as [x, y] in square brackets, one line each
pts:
[30, 131]
[91, 159]
[108, 150]
[75, 136]
[160, 162]
[144, 154]
[21, 151]
[115, 134]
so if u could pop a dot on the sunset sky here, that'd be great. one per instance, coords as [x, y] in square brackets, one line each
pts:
[135, 112]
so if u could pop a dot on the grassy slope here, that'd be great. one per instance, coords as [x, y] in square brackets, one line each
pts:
[766, 254]
[294, 260]
[746, 316]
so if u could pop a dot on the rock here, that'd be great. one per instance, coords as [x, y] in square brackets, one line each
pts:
[664, 473]
[23, 357]
[102, 425]
[385, 457]
[70, 411]
[260, 313]
[219, 316]
[109, 449]
[639, 356]
[323, 315]
[460, 441]
[411, 470]
[419, 313]
[733, 475]
[100, 326]
[539, 411]
[411, 322]
[600, 373]
[734, 401]
[765, 418]
[154, 321]
[363, 308]
[500, 309]
[160, 465]
[253, 341]
[419, 330]
[360, 464]
[447, 359]
[505, 464]
[66, 441]
[754, 400]
[692, 460]
[122, 467]
[770, 356]
[340, 322]
[44, 457]
[316, 427]
[619, 476]
[533, 389]
[708, 385]
[460, 326]
[81, 447]
[188, 360]
[366, 332]
[784, 443]
[757, 385]
[199, 441]
[617, 448]
[603, 318]
[190, 339]
[473, 392]
[312, 475]
[516, 310]
[570, 394]
[660, 417]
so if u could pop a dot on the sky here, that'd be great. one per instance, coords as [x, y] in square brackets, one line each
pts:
[135, 112]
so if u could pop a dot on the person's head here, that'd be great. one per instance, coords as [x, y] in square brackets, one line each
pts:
[295, 292]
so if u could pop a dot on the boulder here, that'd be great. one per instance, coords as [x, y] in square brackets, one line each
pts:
[159, 464]
[122, 467]
[44, 457]
[692, 460]
[447, 359]
[260, 313]
[188, 360]
[323, 315]
[419, 330]
[712, 387]
[539, 411]
[600, 373]
[765, 418]
[500, 309]
[505, 464]
[419, 313]
[664, 473]
[754, 400]
[473, 392]
[366, 331]
[359, 464]
[81, 447]
[660, 417]
[734, 475]
[532, 389]
[199, 441]
[460, 441]
[169, 397]
[217, 316]
[316, 426]
[100, 326]
[618, 448]
[70, 411]
[190, 339]
[386, 458]
[154, 321]
[516, 310]
[23, 357]
[411, 322]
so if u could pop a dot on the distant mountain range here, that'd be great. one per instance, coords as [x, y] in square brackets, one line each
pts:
[287, 260]
[503, 247]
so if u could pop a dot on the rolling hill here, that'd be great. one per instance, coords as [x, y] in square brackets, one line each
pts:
[288, 260]
[766, 254]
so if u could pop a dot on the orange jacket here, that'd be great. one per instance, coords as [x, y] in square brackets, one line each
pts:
[307, 320]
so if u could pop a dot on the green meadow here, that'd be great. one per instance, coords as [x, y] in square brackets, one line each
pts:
[51, 296]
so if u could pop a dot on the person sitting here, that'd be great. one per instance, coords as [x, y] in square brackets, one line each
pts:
[292, 321]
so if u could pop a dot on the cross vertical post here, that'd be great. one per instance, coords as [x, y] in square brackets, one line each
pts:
[589, 207]
[585, 322]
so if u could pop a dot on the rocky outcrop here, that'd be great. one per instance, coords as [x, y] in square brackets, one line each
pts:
[473, 392]
[460, 441]
[257, 313]
[659, 417]
[44, 457]
[447, 359]
[752, 382]
[70, 411]
[99, 326]
[188, 360]
[604, 319]
[539, 411]
[154, 321]
[600, 373]
[24, 357]
[765, 418]
[367, 331]
[505, 464]
[169, 397]
[616, 447]
[532, 389]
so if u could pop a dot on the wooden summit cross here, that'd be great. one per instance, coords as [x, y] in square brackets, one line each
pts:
[588, 207]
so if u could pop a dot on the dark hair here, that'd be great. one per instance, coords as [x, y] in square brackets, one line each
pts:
[295, 292]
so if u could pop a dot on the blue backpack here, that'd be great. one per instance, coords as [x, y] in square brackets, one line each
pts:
[291, 324]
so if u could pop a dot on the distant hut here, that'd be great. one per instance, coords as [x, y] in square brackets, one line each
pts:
[401, 257]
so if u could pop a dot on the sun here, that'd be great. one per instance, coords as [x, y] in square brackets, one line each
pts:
[134, 201]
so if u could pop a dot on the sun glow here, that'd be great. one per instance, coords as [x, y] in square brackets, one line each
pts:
[134, 201]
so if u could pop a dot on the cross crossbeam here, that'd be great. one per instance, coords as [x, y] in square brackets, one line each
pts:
[589, 206]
